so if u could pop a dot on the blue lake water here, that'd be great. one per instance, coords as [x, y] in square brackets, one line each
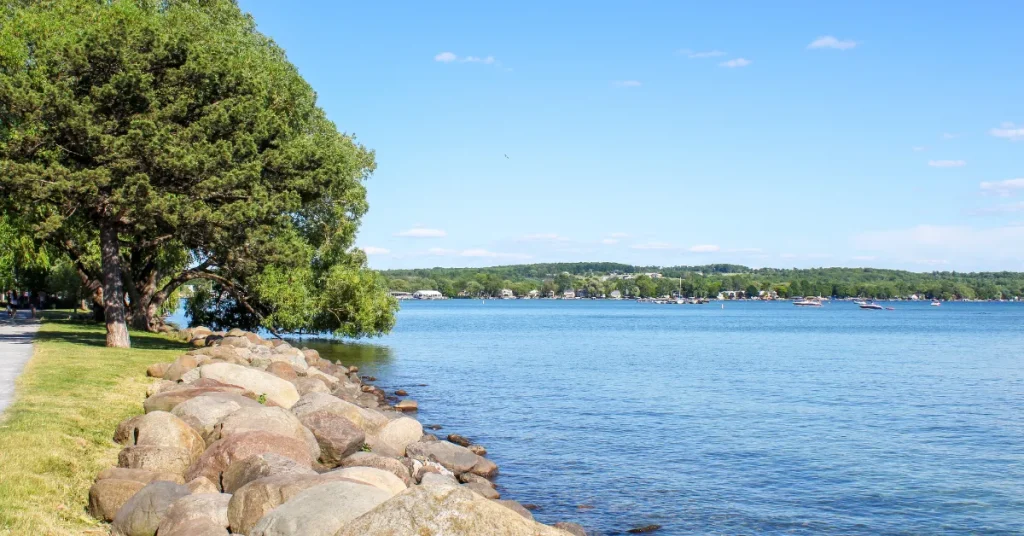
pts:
[759, 418]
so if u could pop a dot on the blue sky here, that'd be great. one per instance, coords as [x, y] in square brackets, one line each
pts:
[885, 134]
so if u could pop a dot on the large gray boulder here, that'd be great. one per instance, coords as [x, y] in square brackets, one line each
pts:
[107, 496]
[241, 472]
[203, 413]
[179, 367]
[256, 499]
[196, 527]
[443, 509]
[453, 457]
[370, 476]
[266, 419]
[321, 510]
[370, 459]
[306, 385]
[369, 421]
[280, 392]
[221, 454]
[167, 400]
[163, 429]
[394, 437]
[139, 475]
[155, 458]
[142, 514]
[336, 436]
[212, 507]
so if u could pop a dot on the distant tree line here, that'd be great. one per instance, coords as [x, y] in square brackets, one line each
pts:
[602, 278]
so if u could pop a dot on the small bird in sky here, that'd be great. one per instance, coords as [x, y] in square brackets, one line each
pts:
[507, 158]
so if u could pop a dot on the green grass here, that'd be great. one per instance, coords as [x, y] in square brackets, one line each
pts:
[57, 434]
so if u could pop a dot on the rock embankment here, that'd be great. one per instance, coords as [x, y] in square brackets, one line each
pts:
[249, 436]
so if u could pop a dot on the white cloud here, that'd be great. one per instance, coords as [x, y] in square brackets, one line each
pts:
[441, 251]
[1008, 131]
[627, 83]
[371, 250]
[653, 245]
[1006, 207]
[828, 41]
[693, 54]
[451, 57]
[543, 237]
[422, 232]
[738, 62]
[619, 235]
[445, 57]
[480, 252]
[919, 149]
[1004, 188]
[947, 163]
[610, 241]
[949, 136]
[705, 248]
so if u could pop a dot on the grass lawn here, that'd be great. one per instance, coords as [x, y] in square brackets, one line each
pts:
[56, 435]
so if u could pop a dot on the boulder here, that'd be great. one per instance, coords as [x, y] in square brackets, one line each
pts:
[212, 507]
[370, 459]
[484, 490]
[459, 440]
[423, 469]
[107, 496]
[167, 400]
[280, 392]
[226, 353]
[159, 386]
[157, 370]
[202, 485]
[321, 510]
[368, 421]
[256, 499]
[126, 429]
[479, 450]
[469, 478]
[221, 454]
[328, 379]
[156, 458]
[394, 437]
[453, 457]
[236, 341]
[515, 507]
[282, 370]
[443, 509]
[204, 412]
[572, 528]
[139, 475]
[241, 472]
[407, 405]
[163, 429]
[272, 420]
[179, 367]
[306, 385]
[196, 527]
[337, 436]
[142, 514]
[371, 476]
[190, 377]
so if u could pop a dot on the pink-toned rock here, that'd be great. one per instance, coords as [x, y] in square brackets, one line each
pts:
[221, 454]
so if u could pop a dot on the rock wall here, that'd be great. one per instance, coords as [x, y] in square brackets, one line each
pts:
[249, 436]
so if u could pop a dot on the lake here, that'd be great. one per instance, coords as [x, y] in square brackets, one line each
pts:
[759, 418]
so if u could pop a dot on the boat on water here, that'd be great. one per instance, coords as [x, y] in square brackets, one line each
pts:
[808, 302]
[873, 306]
[860, 302]
[936, 303]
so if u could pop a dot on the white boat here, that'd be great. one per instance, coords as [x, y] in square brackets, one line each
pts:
[871, 306]
[809, 302]
[860, 302]
[936, 303]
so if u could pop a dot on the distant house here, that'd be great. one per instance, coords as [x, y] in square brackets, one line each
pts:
[507, 294]
[654, 275]
[533, 294]
[401, 295]
[551, 294]
[730, 295]
[568, 295]
[615, 295]
[427, 295]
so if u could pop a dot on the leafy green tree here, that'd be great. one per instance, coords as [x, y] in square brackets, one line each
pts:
[751, 291]
[178, 143]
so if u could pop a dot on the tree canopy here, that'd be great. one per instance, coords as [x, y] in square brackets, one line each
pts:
[160, 142]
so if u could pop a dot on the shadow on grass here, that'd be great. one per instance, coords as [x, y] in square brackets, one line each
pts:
[93, 334]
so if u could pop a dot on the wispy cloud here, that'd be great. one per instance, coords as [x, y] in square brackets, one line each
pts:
[653, 245]
[371, 250]
[947, 163]
[479, 252]
[738, 62]
[1008, 131]
[919, 149]
[695, 54]
[543, 237]
[991, 247]
[619, 235]
[610, 241]
[1004, 188]
[949, 136]
[422, 232]
[1004, 208]
[627, 83]
[828, 41]
[704, 248]
[451, 57]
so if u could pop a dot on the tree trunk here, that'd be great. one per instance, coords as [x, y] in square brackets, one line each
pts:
[113, 288]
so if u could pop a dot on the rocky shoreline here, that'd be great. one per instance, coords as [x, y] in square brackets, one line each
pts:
[243, 435]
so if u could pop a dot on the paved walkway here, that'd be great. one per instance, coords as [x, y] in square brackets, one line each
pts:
[15, 350]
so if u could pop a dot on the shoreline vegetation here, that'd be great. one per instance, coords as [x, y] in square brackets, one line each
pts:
[712, 281]
[231, 432]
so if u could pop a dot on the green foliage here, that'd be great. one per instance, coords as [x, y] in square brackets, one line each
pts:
[188, 132]
[262, 399]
